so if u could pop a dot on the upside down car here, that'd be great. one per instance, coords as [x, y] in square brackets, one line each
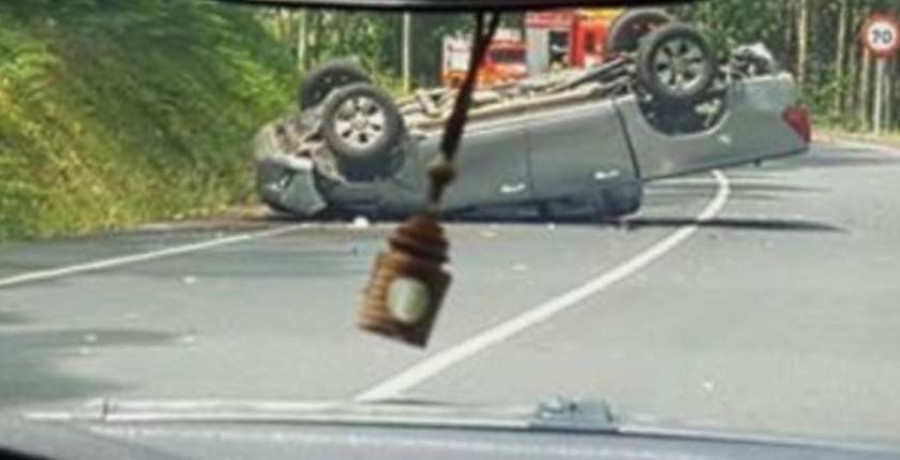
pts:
[578, 143]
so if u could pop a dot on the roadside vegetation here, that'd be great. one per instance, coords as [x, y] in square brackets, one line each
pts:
[118, 112]
[819, 42]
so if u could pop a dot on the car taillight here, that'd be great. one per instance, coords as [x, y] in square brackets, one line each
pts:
[799, 120]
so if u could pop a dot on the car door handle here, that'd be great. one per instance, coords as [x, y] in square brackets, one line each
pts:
[513, 189]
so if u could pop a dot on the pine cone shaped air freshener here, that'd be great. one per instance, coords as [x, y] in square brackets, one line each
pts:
[408, 283]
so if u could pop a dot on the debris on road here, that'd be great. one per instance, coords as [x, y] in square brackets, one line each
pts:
[360, 223]
[188, 338]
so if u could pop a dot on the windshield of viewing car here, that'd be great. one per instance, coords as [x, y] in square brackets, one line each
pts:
[689, 211]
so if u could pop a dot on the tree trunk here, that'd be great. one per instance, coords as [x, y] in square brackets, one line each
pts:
[895, 93]
[888, 107]
[840, 51]
[850, 96]
[802, 40]
[787, 37]
[302, 34]
[314, 38]
[281, 23]
[865, 78]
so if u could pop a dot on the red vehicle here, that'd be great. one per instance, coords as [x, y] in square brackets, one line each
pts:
[567, 38]
[504, 62]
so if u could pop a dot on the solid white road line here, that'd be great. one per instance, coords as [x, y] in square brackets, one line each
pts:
[395, 386]
[105, 264]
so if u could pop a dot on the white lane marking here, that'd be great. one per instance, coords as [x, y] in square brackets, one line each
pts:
[105, 264]
[396, 385]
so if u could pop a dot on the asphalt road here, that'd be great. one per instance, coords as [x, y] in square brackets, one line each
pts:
[764, 300]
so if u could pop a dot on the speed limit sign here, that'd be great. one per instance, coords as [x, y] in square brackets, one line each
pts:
[881, 35]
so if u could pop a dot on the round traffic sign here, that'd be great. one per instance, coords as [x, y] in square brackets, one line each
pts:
[881, 35]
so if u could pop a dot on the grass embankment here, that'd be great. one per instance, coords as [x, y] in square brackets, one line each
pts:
[114, 113]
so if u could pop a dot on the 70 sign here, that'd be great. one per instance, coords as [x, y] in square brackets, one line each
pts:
[881, 35]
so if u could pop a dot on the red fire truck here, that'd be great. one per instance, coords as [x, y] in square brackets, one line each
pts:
[554, 39]
[505, 60]
[567, 38]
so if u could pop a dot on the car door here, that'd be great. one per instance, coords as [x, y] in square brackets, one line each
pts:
[492, 164]
[577, 150]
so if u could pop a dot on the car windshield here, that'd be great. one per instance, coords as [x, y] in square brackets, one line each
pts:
[686, 211]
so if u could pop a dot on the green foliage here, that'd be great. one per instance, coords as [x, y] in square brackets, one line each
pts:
[375, 39]
[836, 95]
[734, 22]
[113, 113]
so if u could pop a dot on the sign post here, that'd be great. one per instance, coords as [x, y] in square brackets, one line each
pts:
[881, 35]
[878, 105]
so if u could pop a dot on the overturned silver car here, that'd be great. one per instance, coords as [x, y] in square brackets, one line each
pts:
[567, 144]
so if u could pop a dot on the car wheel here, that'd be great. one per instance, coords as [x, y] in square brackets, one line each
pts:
[363, 127]
[676, 63]
[320, 82]
[627, 30]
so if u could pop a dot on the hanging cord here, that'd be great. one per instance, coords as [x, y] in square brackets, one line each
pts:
[443, 172]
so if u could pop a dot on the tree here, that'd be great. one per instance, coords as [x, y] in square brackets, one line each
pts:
[802, 40]
[863, 100]
[839, 58]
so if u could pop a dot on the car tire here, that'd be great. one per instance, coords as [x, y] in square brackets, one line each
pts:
[363, 127]
[676, 63]
[320, 82]
[627, 30]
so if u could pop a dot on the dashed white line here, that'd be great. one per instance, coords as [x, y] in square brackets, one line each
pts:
[105, 264]
[397, 385]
